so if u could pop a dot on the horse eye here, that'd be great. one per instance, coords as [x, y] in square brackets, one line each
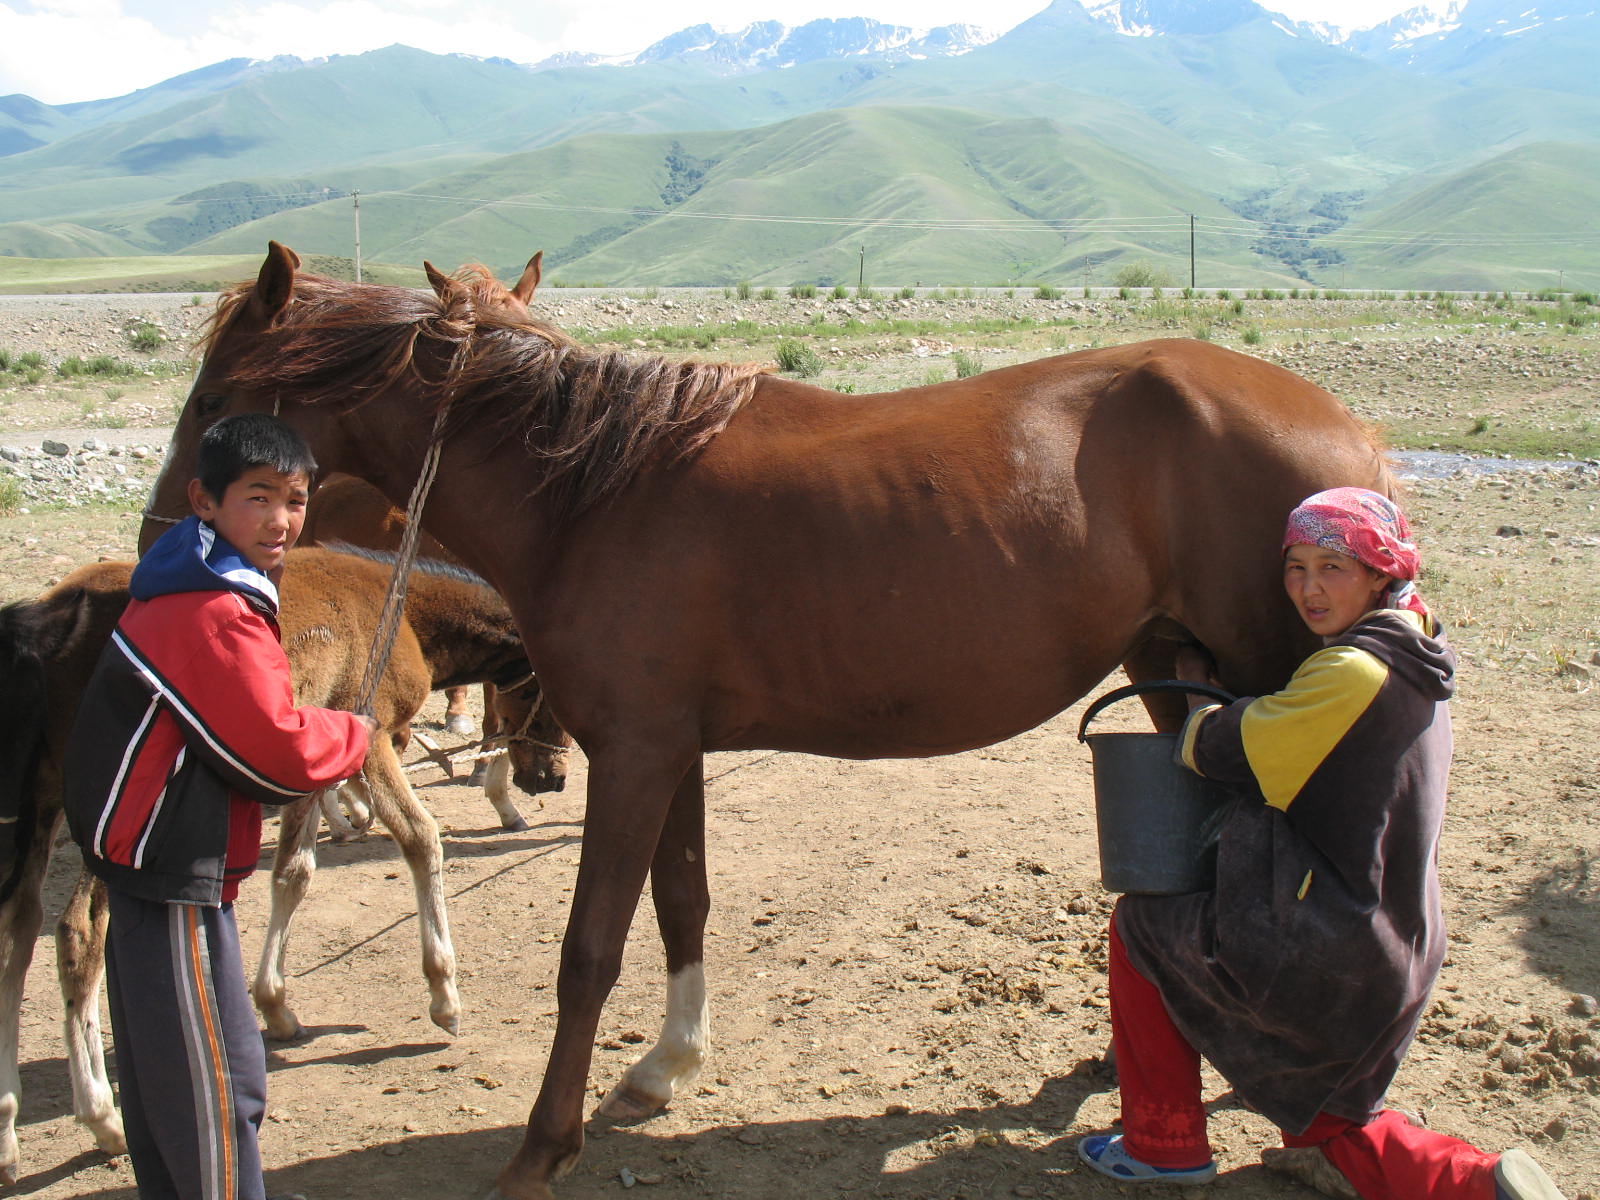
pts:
[209, 403]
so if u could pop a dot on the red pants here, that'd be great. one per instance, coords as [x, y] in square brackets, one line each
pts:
[1164, 1119]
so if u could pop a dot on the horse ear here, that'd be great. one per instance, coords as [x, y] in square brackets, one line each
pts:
[438, 280]
[529, 282]
[275, 284]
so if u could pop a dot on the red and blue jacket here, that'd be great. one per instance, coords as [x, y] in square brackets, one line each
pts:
[188, 726]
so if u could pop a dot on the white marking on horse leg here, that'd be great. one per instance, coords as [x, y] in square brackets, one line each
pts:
[292, 869]
[417, 835]
[677, 1057]
[80, 965]
[19, 931]
[80, 968]
[497, 787]
[347, 810]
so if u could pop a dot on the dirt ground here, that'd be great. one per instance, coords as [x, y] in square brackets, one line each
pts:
[906, 960]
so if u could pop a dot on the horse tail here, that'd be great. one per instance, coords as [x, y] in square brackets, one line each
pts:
[32, 633]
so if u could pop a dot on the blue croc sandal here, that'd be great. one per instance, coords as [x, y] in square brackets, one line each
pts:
[1106, 1154]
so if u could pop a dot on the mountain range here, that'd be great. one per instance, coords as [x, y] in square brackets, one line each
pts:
[1453, 146]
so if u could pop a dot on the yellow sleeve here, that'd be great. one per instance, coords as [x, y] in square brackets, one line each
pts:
[1289, 734]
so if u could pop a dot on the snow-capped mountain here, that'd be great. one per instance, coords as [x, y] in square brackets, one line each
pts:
[1143, 18]
[765, 45]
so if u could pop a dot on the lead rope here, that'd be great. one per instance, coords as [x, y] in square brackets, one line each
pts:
[394, 603]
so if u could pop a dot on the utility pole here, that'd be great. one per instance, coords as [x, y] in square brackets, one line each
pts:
[861, 275]
[356, 197]
[1191, 252]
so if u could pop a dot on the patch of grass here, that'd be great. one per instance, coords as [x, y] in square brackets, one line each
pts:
[11, 496]
[798, 358]
[803, 291]
[1045, 292]
[967, 365]
[933, 377]
[840, 292]
[1252, 336]
[145, 336]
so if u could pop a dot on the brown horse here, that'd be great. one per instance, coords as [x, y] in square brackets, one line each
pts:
[348, 510]
[709, 557]
[456, 630]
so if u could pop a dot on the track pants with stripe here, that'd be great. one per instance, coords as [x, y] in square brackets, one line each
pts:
[191, 1067]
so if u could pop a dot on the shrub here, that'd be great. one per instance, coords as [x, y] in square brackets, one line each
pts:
[767, 293]
[6, 360]
[1481, 425]
[866, 293]
[1141, 274]
[933, 378]
[803, 291]
[1202, 333]
[11, 495]
[144, 336]
[1045, 292]
[744, 289]
[1238, 307]
[967, 365]
[840, 292]
[798, 358]
[1252, 336]
[1224, 294]
[908, 293]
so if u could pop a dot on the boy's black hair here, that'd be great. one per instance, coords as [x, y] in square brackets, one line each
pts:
[236, 444]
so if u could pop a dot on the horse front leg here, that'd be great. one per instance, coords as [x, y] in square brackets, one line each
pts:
[496, 776]
[417, 835]
[292, 868]
[630, 790]
[21, 917]
[683, 902]
[80, 970]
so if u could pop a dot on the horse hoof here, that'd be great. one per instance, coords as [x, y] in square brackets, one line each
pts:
[9, 1174]
[108, 1135]
[627, 1103]
[449, 1021]
[520, 825]
[461, 725]
[284, 1027]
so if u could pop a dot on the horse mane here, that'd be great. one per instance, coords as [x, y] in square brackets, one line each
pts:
[425, 566]
[590, 418]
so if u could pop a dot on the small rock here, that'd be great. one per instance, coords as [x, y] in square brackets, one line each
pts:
[54, 448]
[1575, 669]
[1508, 531]
[92, 444]
[1583, 1004]
[10, 454]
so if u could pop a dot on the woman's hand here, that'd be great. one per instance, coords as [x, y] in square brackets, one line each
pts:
[1195, 665]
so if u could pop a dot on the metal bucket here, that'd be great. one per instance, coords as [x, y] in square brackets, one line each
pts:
[1157, 819]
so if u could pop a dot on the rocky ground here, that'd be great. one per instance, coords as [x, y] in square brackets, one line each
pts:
[907, 958]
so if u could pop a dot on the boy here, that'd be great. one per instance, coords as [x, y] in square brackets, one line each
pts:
[188, 726]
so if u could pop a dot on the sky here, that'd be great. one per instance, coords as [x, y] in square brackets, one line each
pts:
[60, 51]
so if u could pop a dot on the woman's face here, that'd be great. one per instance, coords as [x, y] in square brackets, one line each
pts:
[1331, 591]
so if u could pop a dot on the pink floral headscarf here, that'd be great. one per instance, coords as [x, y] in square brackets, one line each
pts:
[1367, 527]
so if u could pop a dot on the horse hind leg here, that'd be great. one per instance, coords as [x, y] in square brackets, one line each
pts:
[458, 716]
[81, 970]
[417, 835]
[683, 902]
[292, 868]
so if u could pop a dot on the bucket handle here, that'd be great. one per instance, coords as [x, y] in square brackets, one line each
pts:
[1150, 685]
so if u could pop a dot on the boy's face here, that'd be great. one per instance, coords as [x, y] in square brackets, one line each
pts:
[260, 514]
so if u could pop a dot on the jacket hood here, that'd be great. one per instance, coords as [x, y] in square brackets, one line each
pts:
[1413, 647]
[193, 557]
